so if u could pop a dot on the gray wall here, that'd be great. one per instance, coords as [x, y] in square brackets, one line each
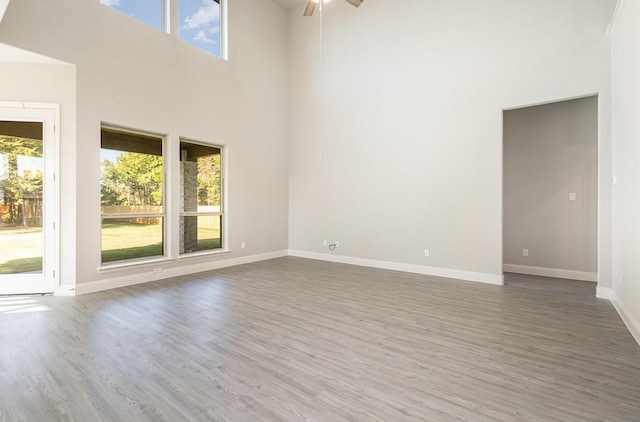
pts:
[396, 122]
[550, 151]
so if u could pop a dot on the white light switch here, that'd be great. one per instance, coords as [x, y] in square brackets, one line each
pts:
[572, 196]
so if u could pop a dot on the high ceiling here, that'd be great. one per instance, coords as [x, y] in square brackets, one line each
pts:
[291, 3]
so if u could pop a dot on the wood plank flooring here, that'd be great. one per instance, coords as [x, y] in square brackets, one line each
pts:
[293, 340]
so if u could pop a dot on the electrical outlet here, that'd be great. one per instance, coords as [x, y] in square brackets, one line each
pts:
[325, 242]
[525, 252]
[243, 245]
[427, 253]
[158, 270]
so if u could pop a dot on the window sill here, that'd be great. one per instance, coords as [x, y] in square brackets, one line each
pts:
[204, 253]
[133, 264]
[116, 266]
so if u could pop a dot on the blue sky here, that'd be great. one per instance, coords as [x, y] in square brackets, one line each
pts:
[199, 20]
[200, 24]
[148, 11]
[110, 154]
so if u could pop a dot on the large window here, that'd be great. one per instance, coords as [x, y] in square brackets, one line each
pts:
[133, 216]
[148, 11]
[200, 24]
[201, 198]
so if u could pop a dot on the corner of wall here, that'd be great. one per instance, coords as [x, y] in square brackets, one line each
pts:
[627, 317]
[604, 293]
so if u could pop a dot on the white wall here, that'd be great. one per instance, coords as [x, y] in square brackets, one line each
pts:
[407, 116]
[626, 150]
[551, 151]
[133, 75]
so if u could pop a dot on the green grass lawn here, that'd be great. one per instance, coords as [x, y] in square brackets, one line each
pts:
[122, 240]
[21, 265]
[20, 249]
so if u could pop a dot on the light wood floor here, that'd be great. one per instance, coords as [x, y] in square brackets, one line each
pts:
[293, 339]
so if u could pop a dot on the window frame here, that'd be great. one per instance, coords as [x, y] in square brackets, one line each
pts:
[222, 33]
[222, 213]
[162, 215]
[170, 24]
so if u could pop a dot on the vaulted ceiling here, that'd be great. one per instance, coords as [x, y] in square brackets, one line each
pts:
[291, 3]
[5, 3]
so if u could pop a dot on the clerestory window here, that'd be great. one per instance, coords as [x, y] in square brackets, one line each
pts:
[151, 12]
[200, 22]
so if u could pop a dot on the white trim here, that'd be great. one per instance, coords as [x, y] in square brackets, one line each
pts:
[224, 30]
[200, 254]
[57, 204]
[604, 293]
[633, 325]
[166, 17]
[133, 263]
[408, 268]
[551, 272]
[49, 115]
[65, 290]
[138, 278]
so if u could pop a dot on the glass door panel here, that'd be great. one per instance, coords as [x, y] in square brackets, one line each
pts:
[21, 197]
[27, 253]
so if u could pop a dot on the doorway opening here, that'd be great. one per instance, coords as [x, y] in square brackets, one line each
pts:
[550, 189]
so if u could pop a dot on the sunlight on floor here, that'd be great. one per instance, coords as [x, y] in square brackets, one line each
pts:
[20, 304]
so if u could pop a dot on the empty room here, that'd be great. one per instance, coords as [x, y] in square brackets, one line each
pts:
[290, 210]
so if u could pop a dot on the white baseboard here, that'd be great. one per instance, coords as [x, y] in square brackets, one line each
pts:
[633, 325]
[551, 272]
[129, 280]
[409, 268]
[65, 290]
[604, 293]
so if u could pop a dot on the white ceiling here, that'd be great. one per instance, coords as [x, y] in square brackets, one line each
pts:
[289, 4]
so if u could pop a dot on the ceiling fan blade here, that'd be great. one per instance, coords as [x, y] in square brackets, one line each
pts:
[355, 3]
[311, 6]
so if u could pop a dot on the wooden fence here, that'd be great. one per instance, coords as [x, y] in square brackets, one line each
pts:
[206, 222]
